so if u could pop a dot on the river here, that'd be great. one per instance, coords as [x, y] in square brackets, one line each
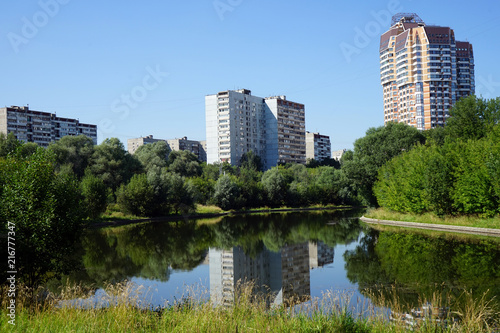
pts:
[302, 256]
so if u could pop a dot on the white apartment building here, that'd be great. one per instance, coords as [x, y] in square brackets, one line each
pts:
[237, 122]
[41, 127]
[318, 147]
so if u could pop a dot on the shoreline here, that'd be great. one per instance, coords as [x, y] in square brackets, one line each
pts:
[436, 227]
[186, 217]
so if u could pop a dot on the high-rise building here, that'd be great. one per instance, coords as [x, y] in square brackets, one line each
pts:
[318, 147]
[41, 127]
[238, 122]
[423, 72]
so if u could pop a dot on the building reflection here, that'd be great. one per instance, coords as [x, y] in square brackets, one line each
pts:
[284, 276]
[320, 254]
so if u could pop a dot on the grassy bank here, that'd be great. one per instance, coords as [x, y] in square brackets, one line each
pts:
[249, 313]
[465, 221]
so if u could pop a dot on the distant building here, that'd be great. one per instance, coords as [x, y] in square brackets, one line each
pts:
[337, 154]
[196, 147]
[318, 147]
[134, 144]
[424, 71]
[238, 122]
[41, 127]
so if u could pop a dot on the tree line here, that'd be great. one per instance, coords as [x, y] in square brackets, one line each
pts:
[457, 170]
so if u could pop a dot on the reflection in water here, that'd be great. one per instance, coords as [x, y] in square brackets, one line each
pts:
[280, 276]
[281, 252]
[414, 268]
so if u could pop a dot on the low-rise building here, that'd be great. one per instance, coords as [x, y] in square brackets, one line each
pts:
[196, 147]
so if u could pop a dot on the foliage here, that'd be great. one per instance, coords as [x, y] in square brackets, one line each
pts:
[46, 210]
[226, 192]
[137, 197]
[113, 164]
[378, 146]
[455, 178]
[184, 163]
[95, 195]
[153, 155]
[73, 153]
[8, 144]
[275, 187]
[251, 161]
[472, 118]
[312, 163]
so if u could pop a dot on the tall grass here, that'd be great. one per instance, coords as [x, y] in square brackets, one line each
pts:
[119, 309]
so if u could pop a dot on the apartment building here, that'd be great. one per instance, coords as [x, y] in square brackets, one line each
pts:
[135, 143]
[238, 122]
[423, 72]
[318, 146]
[195, 147]
[41, 127]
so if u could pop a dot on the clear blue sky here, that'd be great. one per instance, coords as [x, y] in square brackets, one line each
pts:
[82, 59]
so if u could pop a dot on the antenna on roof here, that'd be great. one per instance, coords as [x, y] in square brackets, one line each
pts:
[406, 17]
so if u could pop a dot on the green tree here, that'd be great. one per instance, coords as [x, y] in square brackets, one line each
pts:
[378, 146]
[153, 155]
[95, 195]
[72, 153]
[137, 197]
[8, 144]
[46, 210]
[184, 163]
[113, 164]
[275, 187]
[226, 193]
[472, 118]
[251, 161]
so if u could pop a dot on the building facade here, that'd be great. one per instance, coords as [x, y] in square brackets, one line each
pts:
[40, 127]
[318, 147]
[423, 72]
[238, 122]
[195, 147]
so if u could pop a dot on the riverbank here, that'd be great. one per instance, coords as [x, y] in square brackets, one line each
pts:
[206, 212]
[465, 224]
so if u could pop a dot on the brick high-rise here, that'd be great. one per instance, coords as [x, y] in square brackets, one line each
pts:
[423, 72]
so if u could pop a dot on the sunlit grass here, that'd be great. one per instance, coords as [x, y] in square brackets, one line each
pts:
[466, 221]
[123, 307]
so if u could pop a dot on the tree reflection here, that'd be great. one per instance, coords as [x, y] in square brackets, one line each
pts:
[416, 266]
[154, 250]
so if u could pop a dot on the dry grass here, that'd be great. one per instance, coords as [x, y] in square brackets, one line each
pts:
[123, 307]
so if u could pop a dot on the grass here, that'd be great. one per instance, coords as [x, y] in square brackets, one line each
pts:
[466, 221]
[249, 313]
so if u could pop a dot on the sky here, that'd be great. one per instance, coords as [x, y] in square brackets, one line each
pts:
[144, 68]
